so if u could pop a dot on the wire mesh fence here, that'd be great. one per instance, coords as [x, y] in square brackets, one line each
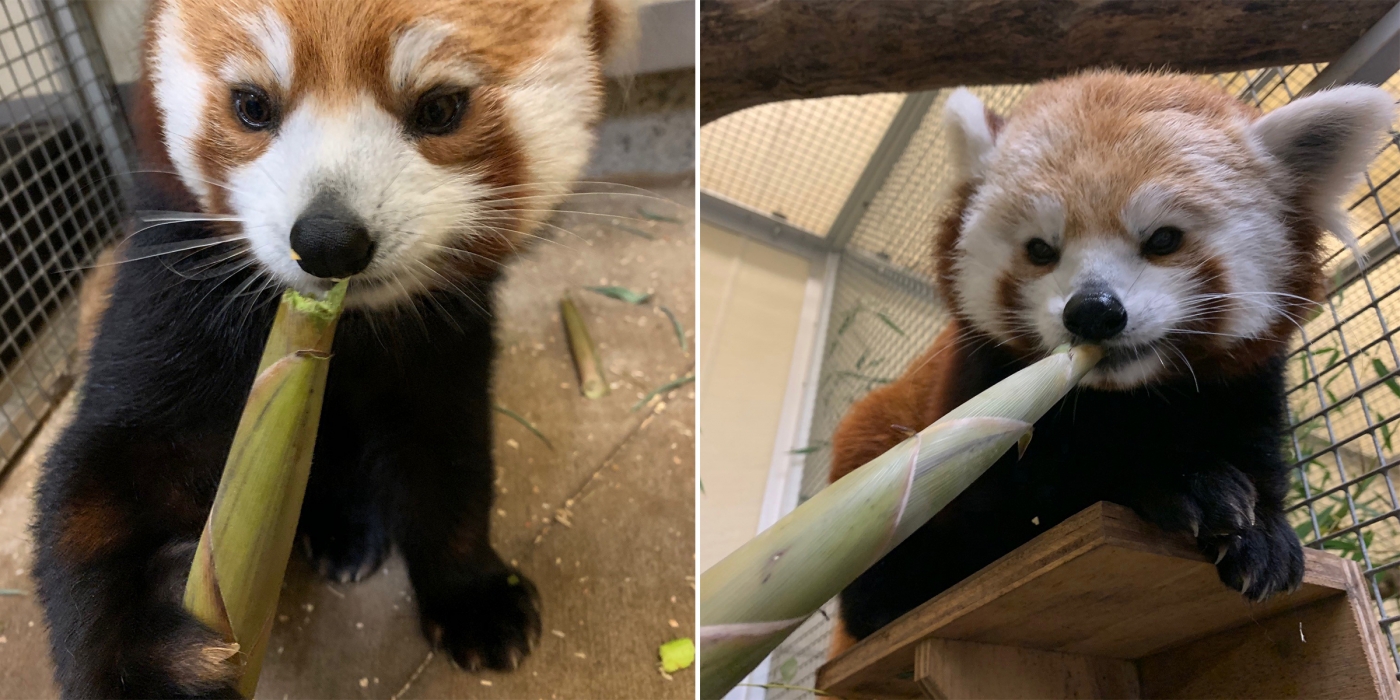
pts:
[63, 155]
[795, 160]
[1343, 372]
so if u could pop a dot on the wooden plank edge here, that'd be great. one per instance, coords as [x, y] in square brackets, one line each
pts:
[895, 644]
[1381, 663]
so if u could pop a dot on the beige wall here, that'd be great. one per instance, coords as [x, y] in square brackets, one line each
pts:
[750, 305]
[119, 25]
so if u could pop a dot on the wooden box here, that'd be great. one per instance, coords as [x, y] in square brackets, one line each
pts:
[1106, 606]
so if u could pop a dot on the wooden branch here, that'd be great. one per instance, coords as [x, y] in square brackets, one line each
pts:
[757, 51]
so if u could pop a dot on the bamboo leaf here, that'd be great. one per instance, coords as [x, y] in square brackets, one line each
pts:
[889, 322]
[676, 326]
[621, 294]
[528, 425]
[1382, 371]
[653, 216]
[663, 389]
[637, 232]
[788, 670]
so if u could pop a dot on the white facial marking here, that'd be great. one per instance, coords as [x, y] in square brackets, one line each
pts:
[180, 89]
[550, 105]
[409, 68]
[417, 213]
[410, 205]
[274, 41]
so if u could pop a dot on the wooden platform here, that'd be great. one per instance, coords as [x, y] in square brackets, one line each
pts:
[1104, 606]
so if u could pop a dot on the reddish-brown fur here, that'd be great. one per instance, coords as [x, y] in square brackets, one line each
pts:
[936, 381]
[339, 55]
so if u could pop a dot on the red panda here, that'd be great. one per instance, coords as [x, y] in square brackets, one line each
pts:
[408, 145]
[1179, 229]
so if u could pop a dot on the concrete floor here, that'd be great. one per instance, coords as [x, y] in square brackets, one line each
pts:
[603, 522]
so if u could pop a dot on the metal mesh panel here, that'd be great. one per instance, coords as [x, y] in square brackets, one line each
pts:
[62, 159]
[897, 225]
[795, 160]
[1343, 374]
[881, 319]
[1344, 395]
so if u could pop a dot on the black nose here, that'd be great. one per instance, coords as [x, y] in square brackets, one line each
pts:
[330, 240]
[1095, 315]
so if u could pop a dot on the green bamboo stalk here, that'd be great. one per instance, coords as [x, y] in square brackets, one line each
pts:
[754, 598]
[242, 554]
[586, 358]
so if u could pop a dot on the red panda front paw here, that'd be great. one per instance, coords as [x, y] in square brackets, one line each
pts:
[348, 556]
[1209, 504]
[1261, 560]
[491, 622]
[1255, 551]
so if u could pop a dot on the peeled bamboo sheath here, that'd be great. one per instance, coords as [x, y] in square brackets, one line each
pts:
[242, 554]
[754, 598]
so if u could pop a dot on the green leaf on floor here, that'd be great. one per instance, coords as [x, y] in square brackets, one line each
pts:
[621, 294]
[676, 325]
[528, 425]
[11, 591]
[653, 216]
[677, 654]
[663, 389]
[637, 232]
[809, 449]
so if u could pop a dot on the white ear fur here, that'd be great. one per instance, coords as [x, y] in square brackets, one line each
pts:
[1324, 142]
[970, 136]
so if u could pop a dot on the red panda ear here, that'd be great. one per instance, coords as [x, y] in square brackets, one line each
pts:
[1324, 143]
[972, 133]
[613, 28]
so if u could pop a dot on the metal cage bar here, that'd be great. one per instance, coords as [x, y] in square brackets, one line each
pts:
[65, 159]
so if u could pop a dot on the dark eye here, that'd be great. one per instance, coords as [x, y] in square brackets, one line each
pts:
[1163, 241]
[1041, 253]
[254, 108]
[439, 112]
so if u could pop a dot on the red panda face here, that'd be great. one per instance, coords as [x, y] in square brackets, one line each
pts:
[1151, 214]
[397, 142]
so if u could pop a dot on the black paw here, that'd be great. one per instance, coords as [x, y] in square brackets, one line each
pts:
[491, 622]
[1259, 561]
[348, 555]
[1254, 549]
[1208, 504]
